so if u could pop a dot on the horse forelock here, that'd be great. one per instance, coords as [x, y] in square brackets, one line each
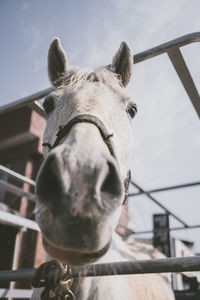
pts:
[78, 77]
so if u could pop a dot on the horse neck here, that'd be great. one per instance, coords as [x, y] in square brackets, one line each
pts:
[105, 287]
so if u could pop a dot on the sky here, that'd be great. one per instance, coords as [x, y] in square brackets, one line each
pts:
[166, 130]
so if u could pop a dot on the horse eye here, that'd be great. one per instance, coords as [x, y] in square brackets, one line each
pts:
[48, 104]
[132, 110]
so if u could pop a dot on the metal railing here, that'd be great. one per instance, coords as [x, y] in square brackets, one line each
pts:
[159, 204]
[147, 266]
[17, 176]
[164, 189]
[16, 293]
[172, 49]
[15, 220]
[130, 231]
[11, 188]
[29, 100]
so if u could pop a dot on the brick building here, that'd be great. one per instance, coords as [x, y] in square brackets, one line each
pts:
[21, 151]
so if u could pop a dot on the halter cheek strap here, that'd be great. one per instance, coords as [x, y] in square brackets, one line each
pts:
[86, 118]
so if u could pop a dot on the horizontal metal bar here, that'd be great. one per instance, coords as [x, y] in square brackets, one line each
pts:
[14, 220]
[165, 265]
[185, 77]
[36, 106]
[25, 101]
[163, 48]
[140, 267]
[16, 175]
[16, 293]
[167, 188]
[130, 231]
[159, 204]
[17, 275]
[16, 190]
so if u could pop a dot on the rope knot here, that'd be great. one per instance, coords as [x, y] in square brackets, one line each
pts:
[56, 280]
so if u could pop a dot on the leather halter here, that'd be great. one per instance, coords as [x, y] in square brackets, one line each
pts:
[86, 118]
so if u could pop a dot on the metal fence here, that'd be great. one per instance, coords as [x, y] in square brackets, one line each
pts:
[172, 49]
[147, 266]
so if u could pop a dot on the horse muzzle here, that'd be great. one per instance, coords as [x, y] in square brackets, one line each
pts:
[78, 200]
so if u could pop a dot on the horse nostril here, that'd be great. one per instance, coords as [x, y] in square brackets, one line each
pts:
[112, 183]
[49, 184]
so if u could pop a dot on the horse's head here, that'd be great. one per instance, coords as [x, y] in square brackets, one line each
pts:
[87, 145]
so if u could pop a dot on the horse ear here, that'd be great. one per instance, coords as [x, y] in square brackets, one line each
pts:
[122, 63]
[57, 62]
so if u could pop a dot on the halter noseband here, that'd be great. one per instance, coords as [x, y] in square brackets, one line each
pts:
[86, 118]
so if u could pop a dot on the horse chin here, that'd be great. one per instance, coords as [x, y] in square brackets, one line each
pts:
[72, 257]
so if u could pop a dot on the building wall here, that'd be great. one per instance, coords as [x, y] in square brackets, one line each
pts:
[21, 151]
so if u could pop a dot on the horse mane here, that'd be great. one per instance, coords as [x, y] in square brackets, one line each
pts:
[77, 77]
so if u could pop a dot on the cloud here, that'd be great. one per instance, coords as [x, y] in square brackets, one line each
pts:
[32, 35]
[25, 6]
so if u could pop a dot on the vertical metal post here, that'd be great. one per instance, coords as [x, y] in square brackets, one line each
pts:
[185, 77]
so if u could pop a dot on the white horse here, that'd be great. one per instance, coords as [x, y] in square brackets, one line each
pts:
[80, 187]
